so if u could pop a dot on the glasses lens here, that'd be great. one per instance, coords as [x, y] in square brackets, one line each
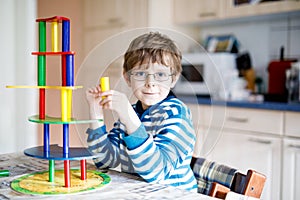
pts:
[139, 75]
[142, 75]
[161, 76]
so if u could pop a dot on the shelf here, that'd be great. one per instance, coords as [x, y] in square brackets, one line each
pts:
[54, 87]
[56, 153]
[57, 120]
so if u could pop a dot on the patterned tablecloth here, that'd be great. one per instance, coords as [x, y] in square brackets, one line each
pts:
[122, 185]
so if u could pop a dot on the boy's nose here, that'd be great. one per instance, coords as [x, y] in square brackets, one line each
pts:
[150, 79]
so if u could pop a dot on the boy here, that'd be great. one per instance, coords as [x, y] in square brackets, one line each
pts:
[154, 138]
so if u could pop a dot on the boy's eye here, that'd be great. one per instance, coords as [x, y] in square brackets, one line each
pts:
[142, 75]
[139, 74]
[160, 74]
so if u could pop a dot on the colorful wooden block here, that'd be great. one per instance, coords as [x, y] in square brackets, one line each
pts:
[54, 31]
[54, 152]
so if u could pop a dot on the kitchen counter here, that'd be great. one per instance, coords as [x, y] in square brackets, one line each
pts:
[294, 107]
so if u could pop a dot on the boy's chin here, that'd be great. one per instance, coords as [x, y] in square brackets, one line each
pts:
[149, 103]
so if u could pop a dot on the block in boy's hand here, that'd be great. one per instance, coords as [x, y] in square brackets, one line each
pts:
[104, 84]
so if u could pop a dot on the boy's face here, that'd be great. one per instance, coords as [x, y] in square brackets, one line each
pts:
[150, 83]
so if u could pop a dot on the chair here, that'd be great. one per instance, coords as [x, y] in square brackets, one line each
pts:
[218, 180]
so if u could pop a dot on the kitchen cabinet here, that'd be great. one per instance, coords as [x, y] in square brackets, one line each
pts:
[245, 150]
[291, 157]
[263, 8]
[213, 11]
[105, 13]
[246, 139]
[254, 120]
[113, 13]
[193, 11]
[198, 122]
[292, 120]
[264, 140]
[104, 18]
[291, 166]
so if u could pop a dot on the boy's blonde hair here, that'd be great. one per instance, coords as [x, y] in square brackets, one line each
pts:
[153, 47]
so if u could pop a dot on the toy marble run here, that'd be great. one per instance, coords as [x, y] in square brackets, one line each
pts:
[48, 151]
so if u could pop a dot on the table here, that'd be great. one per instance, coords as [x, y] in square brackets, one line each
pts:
[122, 186]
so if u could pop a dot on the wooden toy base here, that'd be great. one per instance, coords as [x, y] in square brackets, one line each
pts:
[37, 183]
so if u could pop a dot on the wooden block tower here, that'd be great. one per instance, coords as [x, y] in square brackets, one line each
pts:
[47, 151]
[67, 69]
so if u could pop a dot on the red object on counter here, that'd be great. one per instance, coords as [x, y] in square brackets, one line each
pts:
[277, 76]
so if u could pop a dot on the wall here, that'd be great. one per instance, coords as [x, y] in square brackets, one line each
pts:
[263, 39]
[18, 67]
[71, 9]
[17, 19]
[161, 14]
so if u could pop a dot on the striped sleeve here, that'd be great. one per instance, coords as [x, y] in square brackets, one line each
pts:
[105, 146]
[165, 156]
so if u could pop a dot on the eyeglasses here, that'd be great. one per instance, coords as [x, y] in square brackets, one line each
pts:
[142, 75]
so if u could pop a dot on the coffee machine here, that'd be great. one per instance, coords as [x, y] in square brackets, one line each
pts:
[278, 90]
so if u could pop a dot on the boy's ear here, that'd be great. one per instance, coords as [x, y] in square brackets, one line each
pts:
[127, 78]
[175, 79]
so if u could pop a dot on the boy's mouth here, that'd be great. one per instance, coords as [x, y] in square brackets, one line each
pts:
[149, 93]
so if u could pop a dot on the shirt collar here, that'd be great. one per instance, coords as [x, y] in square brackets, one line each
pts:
[139, 108]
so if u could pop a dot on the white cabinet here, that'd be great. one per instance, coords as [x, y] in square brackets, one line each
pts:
[245, 150]
[104, 18]
[291, 166]
[244, 139]
[193, 11]
[292, 120]
[210, 11]
[291, 157]
[263, 8]
[264, 140]
[198, 122]
[104, 13]
[254, 120]
[113, 13]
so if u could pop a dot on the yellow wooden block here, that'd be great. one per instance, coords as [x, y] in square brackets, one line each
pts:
[104, 83]
[54, 26]
[64, 105]
[69, 104]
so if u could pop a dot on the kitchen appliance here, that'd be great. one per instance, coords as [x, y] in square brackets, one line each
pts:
[277, 77]
[206, 73]
[244, 65]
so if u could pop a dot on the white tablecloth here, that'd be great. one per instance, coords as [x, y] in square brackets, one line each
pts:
[122, 186]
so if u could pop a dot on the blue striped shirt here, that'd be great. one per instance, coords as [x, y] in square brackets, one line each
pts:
[159, 151]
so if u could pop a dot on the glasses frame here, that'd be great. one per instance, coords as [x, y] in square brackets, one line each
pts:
[147, 74]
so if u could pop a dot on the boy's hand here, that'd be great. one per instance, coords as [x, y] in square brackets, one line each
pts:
[93, 97]
[119, 103]
[115, 101]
